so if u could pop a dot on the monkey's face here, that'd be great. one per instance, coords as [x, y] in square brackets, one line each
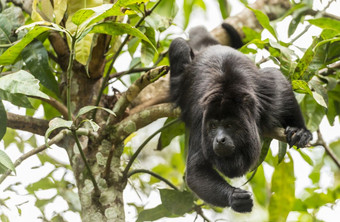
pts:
[230, 139]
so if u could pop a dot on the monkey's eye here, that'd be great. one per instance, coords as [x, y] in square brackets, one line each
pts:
[228, 125]
[212, 125]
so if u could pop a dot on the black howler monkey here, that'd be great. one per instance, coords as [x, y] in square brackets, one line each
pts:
[227, 103]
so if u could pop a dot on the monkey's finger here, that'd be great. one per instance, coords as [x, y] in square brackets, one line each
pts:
[296, 137]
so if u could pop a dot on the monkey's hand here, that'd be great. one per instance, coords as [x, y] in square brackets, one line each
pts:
[298, 136]
[241, 201]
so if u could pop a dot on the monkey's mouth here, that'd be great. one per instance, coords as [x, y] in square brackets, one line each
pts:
[223, 150]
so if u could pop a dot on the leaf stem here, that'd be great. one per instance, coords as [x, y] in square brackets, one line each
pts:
[154, 175]
[69, 77]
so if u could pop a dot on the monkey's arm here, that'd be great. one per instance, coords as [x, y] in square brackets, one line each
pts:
[212, 188]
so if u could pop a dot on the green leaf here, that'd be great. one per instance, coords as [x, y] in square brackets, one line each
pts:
[3, 120]
[115, 28]
[153, 214]
[304, 62]
[5, 162]
[306, 157]
[169, 133]
[301, 86]
[264, 151]
[81, 15]
[36, 59]
[326, 23]
[260, 187]
[16, 99]
[167, 9]
[282, 151]
[283, 192]
[224, 8]
[313, 112]
[300, 11]
[87, 109]
[319, 93]
[263, 20]
[177, 202]
[59, 8]
[21, 82]
[147, 52]
[56, 123]
[12, 53]
[95, 127]
[187, 8]
[43, 184]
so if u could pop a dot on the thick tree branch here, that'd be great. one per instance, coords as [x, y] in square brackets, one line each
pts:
[141, 119]
[27, 123]
[272, 8]
[133, 91]
[61, 48]
[97, 62]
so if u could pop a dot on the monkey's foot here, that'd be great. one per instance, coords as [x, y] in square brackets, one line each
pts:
[298, 136]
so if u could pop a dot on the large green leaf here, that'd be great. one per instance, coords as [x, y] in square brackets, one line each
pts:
[283, 192]
[3, 120]
[36, 59]
[5, 162]
[153, 214]
[16, 99]
[319, 93]
[177, 202]
[326, 23]
[260, 187]
[21, 82]
[169, 133]
[264, 21]
[115, 28]
[12, 53]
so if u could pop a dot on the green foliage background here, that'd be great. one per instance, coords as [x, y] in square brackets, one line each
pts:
[29, 73]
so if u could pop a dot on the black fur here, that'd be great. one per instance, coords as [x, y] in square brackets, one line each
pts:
[221, 92]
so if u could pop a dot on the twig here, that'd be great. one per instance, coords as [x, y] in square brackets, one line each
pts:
[322, 142]
[140, 148]
[56, 104]
[141, 69]
[96, 189]
[54, 140]
[154, 175]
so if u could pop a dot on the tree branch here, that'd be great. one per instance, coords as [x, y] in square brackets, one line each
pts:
[54, 140]
[56, 104]
[132, 92]
[27, 123]
[321, 142]
[138, 120]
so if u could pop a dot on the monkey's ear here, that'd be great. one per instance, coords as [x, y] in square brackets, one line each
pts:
[180, 54]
